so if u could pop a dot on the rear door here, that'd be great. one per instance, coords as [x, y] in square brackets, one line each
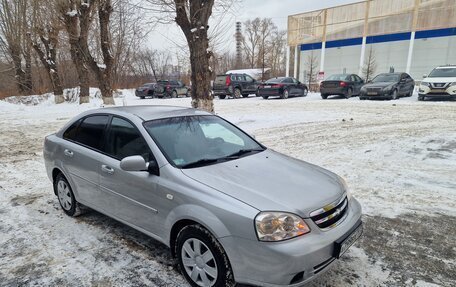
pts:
[129, 196]
[81, 158]
[251, 85]
[290, 86]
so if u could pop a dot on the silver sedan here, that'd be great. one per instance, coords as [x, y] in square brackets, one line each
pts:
[231, 210]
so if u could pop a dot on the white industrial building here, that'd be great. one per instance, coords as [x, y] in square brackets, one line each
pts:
[412, 36]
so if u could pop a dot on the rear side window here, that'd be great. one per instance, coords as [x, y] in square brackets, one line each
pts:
[90, 132]
[125, 140]
[70, 133]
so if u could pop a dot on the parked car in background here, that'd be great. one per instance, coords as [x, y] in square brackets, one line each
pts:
[164, 171]
[347, 85]
[282, 87]
[171, 89]
[234, 85]
[388, 86]
[146, 90]
[440, 83]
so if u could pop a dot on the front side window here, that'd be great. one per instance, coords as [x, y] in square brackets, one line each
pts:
[200, 140]
[124, 140]
[90, 131]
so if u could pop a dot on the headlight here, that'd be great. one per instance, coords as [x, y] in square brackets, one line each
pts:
[278, 226]
[388, 89]
[426, 84]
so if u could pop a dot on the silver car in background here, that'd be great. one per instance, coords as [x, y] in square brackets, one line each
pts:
[231, 210]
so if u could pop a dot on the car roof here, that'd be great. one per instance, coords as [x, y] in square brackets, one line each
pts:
[446, 67]
[152, 112]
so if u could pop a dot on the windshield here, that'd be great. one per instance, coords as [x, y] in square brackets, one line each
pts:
[337, 78]
[386, 78]
[200, 140]
[443, 73]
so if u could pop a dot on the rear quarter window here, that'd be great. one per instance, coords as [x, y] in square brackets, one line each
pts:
[70, 133]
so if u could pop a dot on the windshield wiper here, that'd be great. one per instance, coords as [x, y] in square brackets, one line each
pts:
[201, 162]
[243, 152]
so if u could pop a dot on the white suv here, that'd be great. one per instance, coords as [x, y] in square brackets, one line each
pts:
[441, 83]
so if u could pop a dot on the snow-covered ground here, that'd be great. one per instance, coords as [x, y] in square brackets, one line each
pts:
[398, 157]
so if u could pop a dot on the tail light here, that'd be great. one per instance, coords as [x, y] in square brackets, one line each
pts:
[228, 81]
[342, 84]
[277, 85]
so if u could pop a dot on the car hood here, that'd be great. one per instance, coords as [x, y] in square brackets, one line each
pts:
[270, 181]
[440, 80]
[379, 85]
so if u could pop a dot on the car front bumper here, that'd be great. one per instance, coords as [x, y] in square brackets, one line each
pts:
[381, 95]
[276, 264]
[448, 93]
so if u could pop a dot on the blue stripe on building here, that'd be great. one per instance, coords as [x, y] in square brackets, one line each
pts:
[381, 39]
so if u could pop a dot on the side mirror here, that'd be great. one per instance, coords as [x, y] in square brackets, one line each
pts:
[152, 168]
[133, 163]
[425, 76]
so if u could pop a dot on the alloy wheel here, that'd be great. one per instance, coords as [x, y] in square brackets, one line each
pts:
[64, 194]
[199, 262]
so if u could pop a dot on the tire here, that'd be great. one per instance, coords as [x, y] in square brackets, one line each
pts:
[349, 94]
[245, 95]
[324, 97]
[206, 263]
[305, 92]
[237, 93]
[411, 93]
[174, 94]
[362, 98]
[222, 97]
[394, 95]
[420, 98]
[285, 94]
[66, 197]
[142, 97]
[265, 97]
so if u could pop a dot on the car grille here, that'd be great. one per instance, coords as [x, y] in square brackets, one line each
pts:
[374, 89]
[330, 215]
[439, 85]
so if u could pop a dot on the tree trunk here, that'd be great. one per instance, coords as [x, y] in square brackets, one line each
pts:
[28, 68]
[83, 73]
[193, 17]
[105, 73]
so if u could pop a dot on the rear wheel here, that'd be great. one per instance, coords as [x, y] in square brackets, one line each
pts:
[237, 93]
[265, 97]
[349, 94]
[66, 197]
[174, 94]
[202, 259]
[324, 96]
[285, 94]
[411, 92]
[222, 97]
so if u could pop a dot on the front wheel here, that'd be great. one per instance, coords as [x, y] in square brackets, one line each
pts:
[420, 98]
[305, 92]
[265, 97]
[324, 96]
[174, 94]
[349, 94]
[394, 95]
[202, 259]
[285, 94]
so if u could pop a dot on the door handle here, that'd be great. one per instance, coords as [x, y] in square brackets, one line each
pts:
[68, 153]
[107, 169]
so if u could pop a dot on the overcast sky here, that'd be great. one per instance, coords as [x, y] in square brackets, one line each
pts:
[166, 37]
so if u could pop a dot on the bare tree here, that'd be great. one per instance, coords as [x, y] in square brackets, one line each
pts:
[370, 65]
[13, 27]
[311, 66]
[77, 17]
[276, 56]
[251, 40]
[44, 39]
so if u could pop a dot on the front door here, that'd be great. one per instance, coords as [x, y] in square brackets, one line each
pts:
[129, 196]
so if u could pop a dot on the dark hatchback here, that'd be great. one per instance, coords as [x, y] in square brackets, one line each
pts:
[341, 85]
[388, 86]
[146, 90]
[234, 85]
[282, 87]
